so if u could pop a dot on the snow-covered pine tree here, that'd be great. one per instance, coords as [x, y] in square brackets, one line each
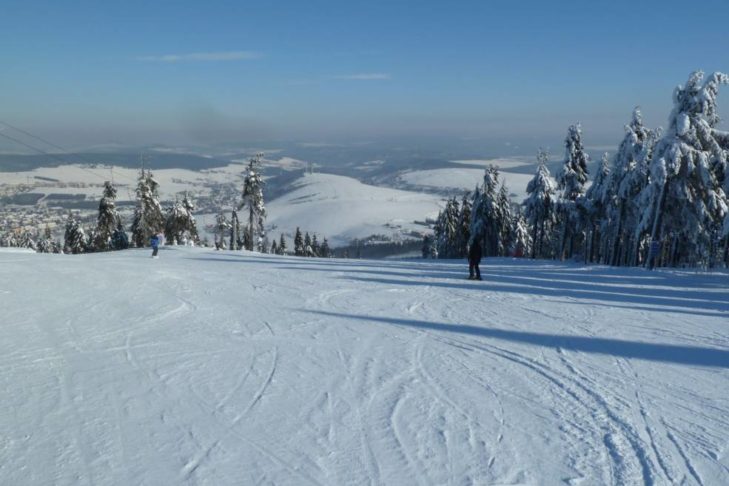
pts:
[595, 203]
[8, 240]
[685, 201]
[235, 243]
[539, 207]
[119, 239]
[282, 245]
[253, 200]
[307, 244]
[324, 250]
[571, 181]
[490, 215]
[521, 240]
[315, 245]
[446, 230]
[45, 243]
[107, 220]
[299, 249]
[505, 220]
[74, 240]
[180, 224]
[274, 248]
[464, 225]
[428, 243]
[628, 177]
[246, 242]
[28, 240]
[148, 218]
[222, 226]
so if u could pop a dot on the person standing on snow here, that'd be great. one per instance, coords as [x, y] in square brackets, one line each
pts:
[155, 245]
[474, 258]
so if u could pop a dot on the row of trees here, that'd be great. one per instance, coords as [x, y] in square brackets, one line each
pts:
[661, 200]
[177, 223]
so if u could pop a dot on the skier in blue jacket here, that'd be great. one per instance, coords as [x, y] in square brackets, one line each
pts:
[155, 245]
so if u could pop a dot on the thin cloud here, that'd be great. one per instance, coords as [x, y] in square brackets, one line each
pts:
[364, 77]
[203, 57]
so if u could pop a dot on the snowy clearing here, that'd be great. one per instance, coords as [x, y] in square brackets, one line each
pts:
[222, 368]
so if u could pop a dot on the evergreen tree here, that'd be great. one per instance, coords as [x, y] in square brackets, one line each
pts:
[46, 243]
[628, 177]
[491, 215]
[148, 219]
[571, 181]
[74, 240]
[464, 226]
[307, 245]
[521, 240]
[505, 221]
[222, 226]
[299, 249]
[315, 245]
[253, 200]
[428, 243]
[324, 250]
[274, 248]
[180, 224]
[235, 241]
[44, 246]
[247, 238]
[282, 244]
[119, 239]
[595, 203]
[447, 230]
[107, 220]
[539, 207]
[27, 240]
[686, 199]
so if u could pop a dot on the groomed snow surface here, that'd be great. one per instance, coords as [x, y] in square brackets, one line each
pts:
[218, 368]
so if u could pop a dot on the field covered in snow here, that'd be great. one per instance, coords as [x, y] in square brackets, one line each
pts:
[342, 208]
[471, 173]
[220, 368]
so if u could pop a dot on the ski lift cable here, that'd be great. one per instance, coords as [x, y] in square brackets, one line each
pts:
[58, 147]
[53, 156]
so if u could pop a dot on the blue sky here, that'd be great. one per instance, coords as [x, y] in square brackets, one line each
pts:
[204, 72]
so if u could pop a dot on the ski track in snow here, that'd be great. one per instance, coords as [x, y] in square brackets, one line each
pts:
[220, 368]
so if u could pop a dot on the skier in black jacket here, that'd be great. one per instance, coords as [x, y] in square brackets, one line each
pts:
[474, 258]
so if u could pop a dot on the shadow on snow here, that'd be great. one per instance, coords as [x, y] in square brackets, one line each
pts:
[666, 353]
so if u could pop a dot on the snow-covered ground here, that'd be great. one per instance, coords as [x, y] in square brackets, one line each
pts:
[342, 208]
[471, 174]
[66, 179]
[464, 180]
[220, 368]
[171, 181]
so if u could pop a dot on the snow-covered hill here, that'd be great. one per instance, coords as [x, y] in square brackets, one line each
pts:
[342, 208]
[219, 368]
[460, 179]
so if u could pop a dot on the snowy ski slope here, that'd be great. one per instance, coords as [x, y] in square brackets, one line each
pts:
[217, 368]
